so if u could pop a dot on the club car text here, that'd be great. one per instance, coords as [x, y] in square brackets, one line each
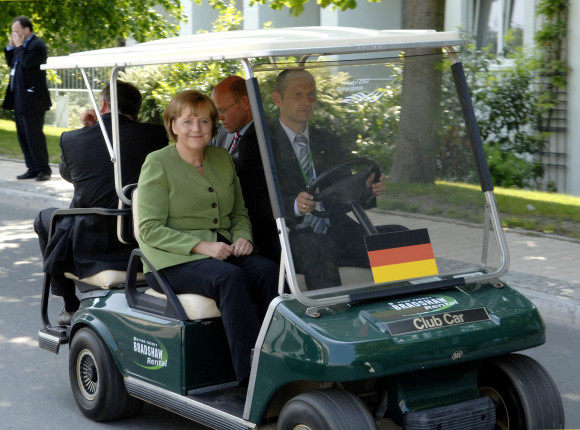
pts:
[440, 320]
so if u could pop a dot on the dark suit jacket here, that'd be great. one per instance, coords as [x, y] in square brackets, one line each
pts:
[248, 162]
[318, 256]
[30, 93]
[327, 152]
[85, 162]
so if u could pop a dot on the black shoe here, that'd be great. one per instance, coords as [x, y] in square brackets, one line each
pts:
[26, 175]
[43, 177]
[65, 317]
[244, 382]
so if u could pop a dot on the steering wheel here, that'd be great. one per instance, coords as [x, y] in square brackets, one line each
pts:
[344, 184]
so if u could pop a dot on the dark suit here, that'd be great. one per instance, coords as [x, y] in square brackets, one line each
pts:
[85, 160]
[318, 256]
[30, 99]
[89, 244]
[246, 156]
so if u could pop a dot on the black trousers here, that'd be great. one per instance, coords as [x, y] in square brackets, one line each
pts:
[60, 285]
[29, 129]
[242, 288]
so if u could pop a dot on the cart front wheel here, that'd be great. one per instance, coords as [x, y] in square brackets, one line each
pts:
[325, 410]
[524, 394]
[96, 383]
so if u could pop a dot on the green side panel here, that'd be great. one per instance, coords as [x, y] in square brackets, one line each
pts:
[207, 354]
[175, 355]
[353, 342]
[145, 346]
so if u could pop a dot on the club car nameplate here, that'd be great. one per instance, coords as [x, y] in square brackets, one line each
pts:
[439, 320]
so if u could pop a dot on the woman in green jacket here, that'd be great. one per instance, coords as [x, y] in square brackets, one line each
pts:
[194, 226]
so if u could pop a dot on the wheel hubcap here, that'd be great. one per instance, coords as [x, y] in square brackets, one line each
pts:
[301, 427]
[502, 419]
[87, 374]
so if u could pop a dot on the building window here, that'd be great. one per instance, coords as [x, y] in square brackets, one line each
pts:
[494, 19]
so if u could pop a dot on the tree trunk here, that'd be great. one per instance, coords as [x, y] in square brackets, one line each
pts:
[418, 136]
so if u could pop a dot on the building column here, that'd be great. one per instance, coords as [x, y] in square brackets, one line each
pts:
[573, 41]
[384, 15]
[257, 15]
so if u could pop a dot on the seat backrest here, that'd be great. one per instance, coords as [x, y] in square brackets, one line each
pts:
[125, 229]
[135, 212]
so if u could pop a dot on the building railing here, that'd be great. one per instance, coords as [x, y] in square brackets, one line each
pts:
[70, 95]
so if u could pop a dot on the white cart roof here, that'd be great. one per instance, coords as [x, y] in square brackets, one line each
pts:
[231, 45]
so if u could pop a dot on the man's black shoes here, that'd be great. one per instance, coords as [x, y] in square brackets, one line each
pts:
[43, 177]
[26, 175]
[65, 318]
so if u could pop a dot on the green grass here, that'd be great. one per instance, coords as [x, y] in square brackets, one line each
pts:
[530, 210]
[10, 148]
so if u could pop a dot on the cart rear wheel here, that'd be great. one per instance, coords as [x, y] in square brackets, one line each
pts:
[96, 383]
[524, 394]
[325, 410]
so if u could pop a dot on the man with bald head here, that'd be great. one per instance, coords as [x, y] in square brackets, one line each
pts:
[238, 136]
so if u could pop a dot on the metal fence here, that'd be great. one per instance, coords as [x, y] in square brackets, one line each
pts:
[70, 95]
[555, 157]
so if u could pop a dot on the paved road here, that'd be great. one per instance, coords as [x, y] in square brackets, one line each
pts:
[34, 384]
[544, 268]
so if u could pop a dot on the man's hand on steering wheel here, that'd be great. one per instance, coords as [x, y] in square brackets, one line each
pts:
[305, 202]
[377, 187]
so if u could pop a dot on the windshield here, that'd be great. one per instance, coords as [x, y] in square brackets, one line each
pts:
[375, 174]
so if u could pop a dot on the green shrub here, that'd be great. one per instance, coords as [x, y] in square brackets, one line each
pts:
[507, 111]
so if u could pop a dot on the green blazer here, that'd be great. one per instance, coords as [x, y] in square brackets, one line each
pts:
[178, 207]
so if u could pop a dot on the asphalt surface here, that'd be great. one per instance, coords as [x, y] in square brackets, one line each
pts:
[545, 268]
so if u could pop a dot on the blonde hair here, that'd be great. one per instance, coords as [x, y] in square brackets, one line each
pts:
[189, 99]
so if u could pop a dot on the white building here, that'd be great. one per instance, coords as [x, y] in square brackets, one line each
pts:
[480, 17]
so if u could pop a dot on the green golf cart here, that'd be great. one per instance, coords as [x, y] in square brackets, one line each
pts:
[422, 334]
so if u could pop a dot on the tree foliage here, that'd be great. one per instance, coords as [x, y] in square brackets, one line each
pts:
[296, 7]
[80, 25]
[159, 83]
[507, 110]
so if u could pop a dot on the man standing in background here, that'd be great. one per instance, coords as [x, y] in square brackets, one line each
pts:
[27, 94]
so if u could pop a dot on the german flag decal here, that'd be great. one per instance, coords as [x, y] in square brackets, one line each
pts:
[401, 255]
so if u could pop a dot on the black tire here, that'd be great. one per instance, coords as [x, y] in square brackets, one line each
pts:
[96, 383]
[524, 394]
[325, 410]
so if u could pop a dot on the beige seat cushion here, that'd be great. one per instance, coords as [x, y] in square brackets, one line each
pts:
[135, 213]
[196, 307]
[106, 279]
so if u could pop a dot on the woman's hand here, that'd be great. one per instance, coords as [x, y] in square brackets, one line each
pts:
[242, 247]
[217, 250]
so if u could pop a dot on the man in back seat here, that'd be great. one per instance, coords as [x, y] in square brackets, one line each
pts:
[238, 136]
[88, 244]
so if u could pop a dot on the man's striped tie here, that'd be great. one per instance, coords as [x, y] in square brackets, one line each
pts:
[235, 141]
[319, 225]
